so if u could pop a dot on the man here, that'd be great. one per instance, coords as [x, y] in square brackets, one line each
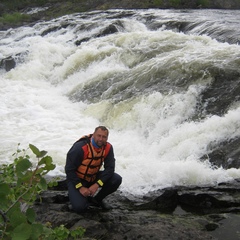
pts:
[87, 185]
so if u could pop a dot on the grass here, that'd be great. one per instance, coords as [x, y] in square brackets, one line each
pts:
[14, 18]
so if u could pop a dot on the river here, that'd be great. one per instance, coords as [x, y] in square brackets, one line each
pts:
[145, 81]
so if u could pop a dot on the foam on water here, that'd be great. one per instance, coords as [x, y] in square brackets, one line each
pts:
[157, 142]
[170, 154]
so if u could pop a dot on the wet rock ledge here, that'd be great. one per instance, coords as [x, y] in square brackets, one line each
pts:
[168, 214]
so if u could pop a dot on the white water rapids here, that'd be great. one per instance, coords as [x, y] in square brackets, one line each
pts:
[131, 81]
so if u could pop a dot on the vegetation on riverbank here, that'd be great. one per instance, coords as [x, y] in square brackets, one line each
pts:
[16, 5]
[13, 13]
[14, 18]
[20, 185]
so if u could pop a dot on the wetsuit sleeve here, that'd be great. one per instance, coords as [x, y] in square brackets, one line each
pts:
[74, 159]
[109, 168]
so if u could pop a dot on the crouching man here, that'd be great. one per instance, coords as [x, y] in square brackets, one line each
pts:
[87, 184]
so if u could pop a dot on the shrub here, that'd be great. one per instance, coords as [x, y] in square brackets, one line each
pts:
[20, 184]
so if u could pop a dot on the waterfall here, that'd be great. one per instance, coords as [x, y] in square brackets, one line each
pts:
[165, 83]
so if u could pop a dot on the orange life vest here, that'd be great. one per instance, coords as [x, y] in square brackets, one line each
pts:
[92, 160]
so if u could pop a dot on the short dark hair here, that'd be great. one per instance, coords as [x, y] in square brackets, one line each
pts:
[103, 128]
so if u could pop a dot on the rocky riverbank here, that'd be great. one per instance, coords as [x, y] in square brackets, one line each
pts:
[174, 213]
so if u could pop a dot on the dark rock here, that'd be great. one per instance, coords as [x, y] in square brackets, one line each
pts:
[80, 41]
[225, 81]
[54, 197]
[167, 202]
[226, 155]
[61, 185]
[211, 226]
[108, 30]
[94, 229]
[173, 213]
[49, 30]
[55, 28]
[8, 63]
[112, 28]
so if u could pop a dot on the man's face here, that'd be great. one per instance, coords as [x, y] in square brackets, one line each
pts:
[100, 137]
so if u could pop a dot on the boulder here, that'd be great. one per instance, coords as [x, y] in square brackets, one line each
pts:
[8, 63]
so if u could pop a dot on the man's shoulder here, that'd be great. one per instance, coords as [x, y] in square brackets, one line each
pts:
[81, 142]
[78, 146]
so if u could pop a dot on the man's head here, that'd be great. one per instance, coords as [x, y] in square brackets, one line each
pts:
[100, 135]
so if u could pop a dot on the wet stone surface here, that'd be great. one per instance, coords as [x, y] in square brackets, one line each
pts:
[176, 213]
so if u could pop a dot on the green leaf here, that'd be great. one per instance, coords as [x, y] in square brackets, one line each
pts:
[34, 149]
[48, 160]
[31, 215]
[22, 166]
[45, 160]
[43, 184]
[42, 161]
[21, 232]
[61, 232]
[24, 178]
[39, 171]
[37, 152]
[51, 167]
[28, 196]
[42, 154]
[48, 164]
[78, 232]
[16, 217]
[53, 183]
[4, 192]
[37, 231]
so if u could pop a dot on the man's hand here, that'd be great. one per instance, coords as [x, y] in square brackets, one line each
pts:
[93, 189]
[85, 191]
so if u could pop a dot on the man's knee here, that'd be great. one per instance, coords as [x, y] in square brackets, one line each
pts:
[78, 202]
[117, 180]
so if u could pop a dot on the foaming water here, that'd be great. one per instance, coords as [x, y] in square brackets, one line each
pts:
[173, 157]
[143, 82]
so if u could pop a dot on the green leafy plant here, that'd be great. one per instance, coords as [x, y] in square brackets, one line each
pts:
[20, 184]
[14, 17]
